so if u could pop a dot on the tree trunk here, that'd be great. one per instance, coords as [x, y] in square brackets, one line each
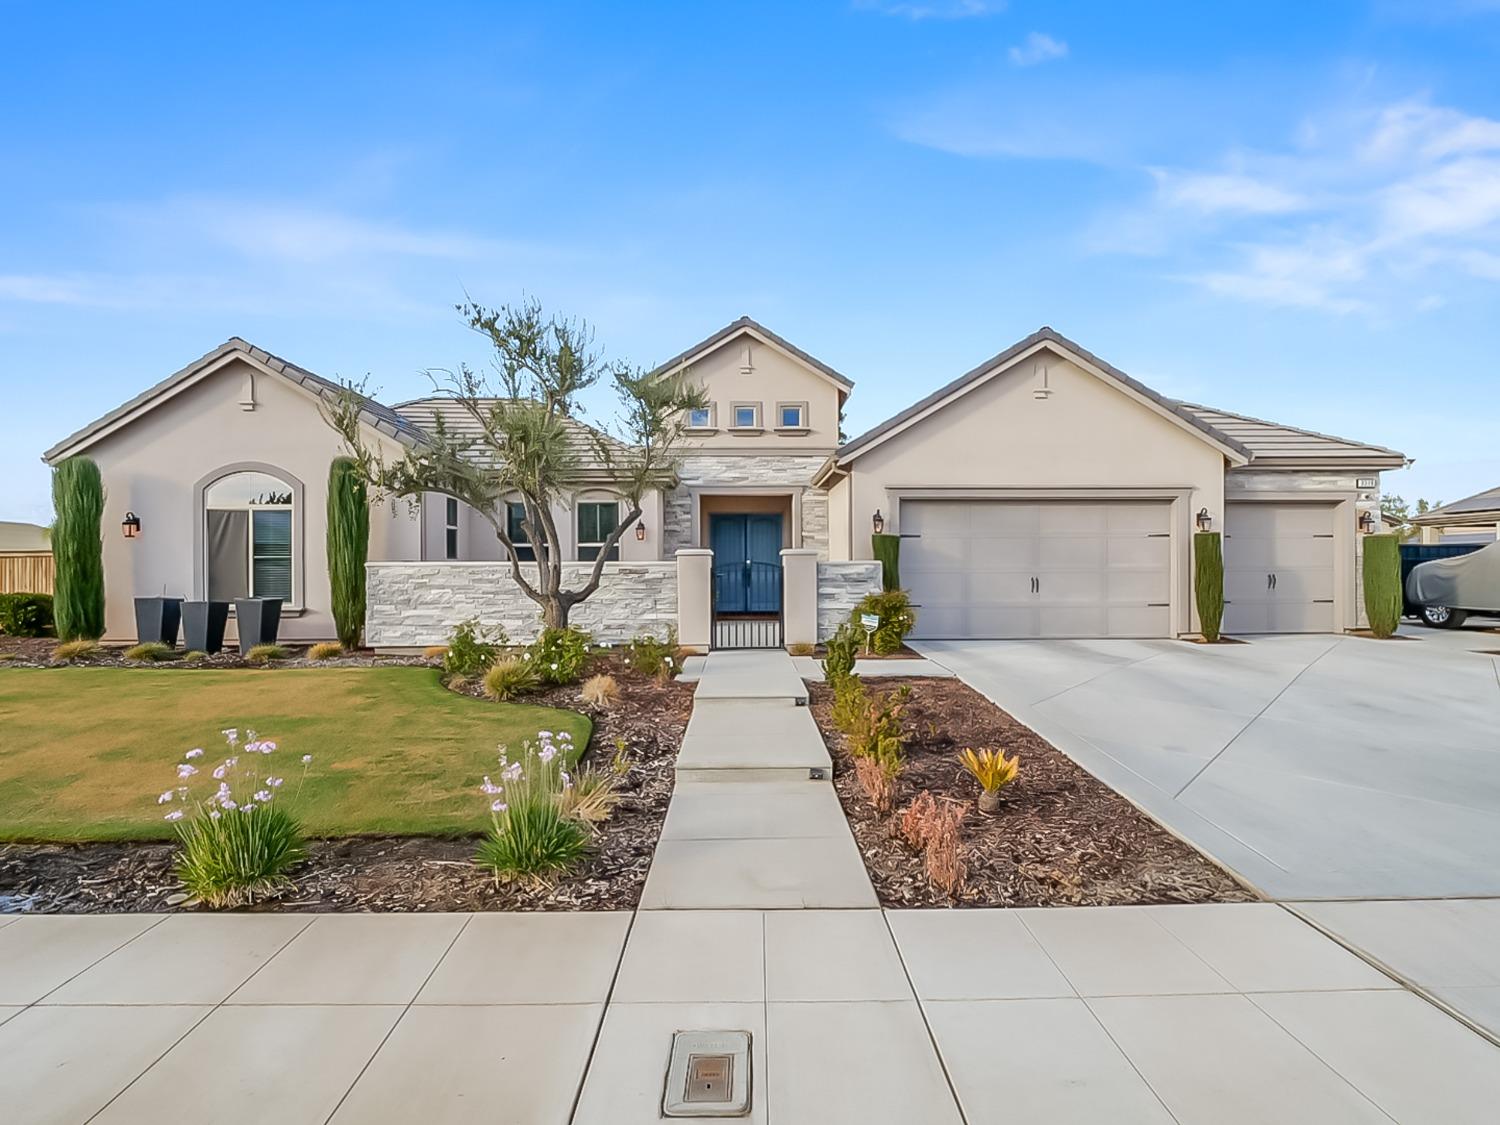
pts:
[554, 613]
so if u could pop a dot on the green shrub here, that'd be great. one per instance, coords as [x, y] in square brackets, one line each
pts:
[648, 656]
[877, 731]
[560, 654]
[887, 548]
[348, 548]
[531, 834]
[266, 654]
[150, 652]
[25, 615]
[74, 650]
[850, 702]
[472, 648]
[510, 677]
[1383, 583]
[232, 859]
[839, 654]
[1208, 582]
[328, 650]
[236, 841]
[194, 656]
[897, 618]
[78, 550]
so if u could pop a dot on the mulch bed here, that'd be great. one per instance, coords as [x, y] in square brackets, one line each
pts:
[400, 874]
[1062, 838]
[36, 652]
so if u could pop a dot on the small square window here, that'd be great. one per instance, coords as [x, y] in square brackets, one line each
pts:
[700, 418]
[793, 416]
[514, 514]
[746, 417]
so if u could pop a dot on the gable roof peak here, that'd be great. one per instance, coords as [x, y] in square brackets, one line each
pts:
[750, 324]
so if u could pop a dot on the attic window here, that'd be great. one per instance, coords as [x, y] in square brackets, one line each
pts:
[701, 418]
[791, 416]
[746, 415]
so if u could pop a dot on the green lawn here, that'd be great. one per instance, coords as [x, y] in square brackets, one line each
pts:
[84, 752]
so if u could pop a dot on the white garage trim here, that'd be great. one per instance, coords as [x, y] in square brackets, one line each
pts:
[1342, 505]
[1174, 518]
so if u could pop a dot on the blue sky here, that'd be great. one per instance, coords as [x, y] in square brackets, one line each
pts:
[1289, 210]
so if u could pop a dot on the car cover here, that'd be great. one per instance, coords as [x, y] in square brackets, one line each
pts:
[1469, 581]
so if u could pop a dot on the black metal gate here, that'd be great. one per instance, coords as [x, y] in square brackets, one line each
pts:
[747, 605]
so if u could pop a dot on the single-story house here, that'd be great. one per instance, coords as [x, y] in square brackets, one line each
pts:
[1474, 519]
[1043, 493]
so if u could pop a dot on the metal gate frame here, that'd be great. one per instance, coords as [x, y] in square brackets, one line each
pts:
[747, 630]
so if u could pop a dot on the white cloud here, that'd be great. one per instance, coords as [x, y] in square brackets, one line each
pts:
[1393, 207]
[918, 10]
[1225, 191]
[1038, 48]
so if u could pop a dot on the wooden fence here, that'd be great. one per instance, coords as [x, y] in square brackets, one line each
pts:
[29, 573]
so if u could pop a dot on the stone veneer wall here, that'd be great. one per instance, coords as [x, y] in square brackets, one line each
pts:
[841, 587]
[412, 605]
[729, 470]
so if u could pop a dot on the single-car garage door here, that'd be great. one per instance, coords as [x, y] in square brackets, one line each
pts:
[1278, 567]
[1006, 568]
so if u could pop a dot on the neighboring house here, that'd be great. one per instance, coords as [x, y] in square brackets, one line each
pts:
[1474, 519]
[25, 558]
[1044, 493]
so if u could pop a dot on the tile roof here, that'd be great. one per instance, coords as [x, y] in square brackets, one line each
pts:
[583, 438]
[1486, 502]
[1272, 442]
[378, 416]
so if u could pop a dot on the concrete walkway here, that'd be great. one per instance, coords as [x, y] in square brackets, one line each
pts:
[754, 823]
[1199, 1015]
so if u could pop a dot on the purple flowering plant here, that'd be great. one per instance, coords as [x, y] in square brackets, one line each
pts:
[237, 839]
[532, 836]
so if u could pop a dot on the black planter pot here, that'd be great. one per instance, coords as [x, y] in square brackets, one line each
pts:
[203, 626]
[156, 620]
[258, 621]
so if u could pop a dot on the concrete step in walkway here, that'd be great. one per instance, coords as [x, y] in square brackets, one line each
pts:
[754, 822]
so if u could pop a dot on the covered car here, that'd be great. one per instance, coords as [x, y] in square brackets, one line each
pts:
[1448, 590]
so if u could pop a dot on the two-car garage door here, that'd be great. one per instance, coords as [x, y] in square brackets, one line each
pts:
[1006, 568]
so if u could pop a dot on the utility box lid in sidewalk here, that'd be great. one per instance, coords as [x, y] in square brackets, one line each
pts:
[709, 1075]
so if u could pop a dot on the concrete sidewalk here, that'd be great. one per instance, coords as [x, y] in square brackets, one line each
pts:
[754, 822]
[1199, 1015]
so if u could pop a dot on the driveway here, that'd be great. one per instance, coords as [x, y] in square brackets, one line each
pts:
[1315, 766]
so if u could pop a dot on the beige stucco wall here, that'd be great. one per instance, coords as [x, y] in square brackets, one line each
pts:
[774, 377]
[1084, 438]
[156, 465]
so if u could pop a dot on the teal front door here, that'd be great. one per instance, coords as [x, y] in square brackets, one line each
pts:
[747, 563]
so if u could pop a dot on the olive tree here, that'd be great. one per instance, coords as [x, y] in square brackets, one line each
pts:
[526, 445]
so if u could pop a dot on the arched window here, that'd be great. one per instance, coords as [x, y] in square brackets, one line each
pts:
[248, 536]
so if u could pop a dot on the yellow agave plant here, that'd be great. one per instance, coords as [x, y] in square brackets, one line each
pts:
[991, 768]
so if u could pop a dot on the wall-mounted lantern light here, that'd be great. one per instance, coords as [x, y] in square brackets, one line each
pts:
[1205, 521]
[640, 531]
[1367, 521]
[131, 525]
[877, 522]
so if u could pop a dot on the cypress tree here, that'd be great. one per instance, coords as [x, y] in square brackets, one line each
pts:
[1208, 582]
[887, 548]
[348, 547]
[78, 550]
[1383, 583]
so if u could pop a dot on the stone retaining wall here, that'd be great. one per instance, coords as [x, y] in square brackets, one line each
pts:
[841, 587]
[412, 605]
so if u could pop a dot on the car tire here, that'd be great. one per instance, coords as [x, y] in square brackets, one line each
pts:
[1441, 617]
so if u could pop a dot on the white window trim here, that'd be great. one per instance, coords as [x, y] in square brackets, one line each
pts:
[579, 543]
[734, 410]
[801, 426]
